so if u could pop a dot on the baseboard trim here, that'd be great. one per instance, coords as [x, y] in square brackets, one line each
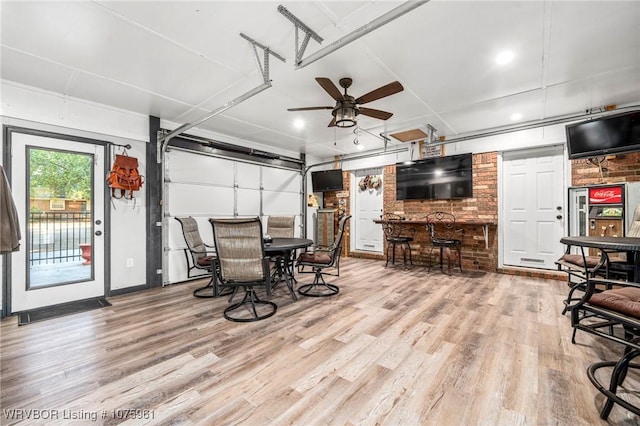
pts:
[533, 273]
[121, 291]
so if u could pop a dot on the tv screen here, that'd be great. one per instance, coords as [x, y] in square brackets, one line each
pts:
[436, 178]
[615, 134]
[327, 180]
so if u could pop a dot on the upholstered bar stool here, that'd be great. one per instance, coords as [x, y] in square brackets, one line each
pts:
[622, 307]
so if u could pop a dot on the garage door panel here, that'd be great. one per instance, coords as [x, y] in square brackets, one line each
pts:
[248, 175]
[200, 200]
[280, 180]
[280, 203]
[248, 202]
[200, 169]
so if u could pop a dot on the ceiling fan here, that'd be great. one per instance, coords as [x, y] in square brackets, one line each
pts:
[347, 107]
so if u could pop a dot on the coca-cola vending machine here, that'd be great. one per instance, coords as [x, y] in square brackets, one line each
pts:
[602, 210]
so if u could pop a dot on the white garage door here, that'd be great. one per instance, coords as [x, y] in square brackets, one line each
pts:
[203, 186]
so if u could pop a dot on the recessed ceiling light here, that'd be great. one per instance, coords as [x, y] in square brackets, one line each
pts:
[360, 147]
[516, 116]
[298, 124]
[505, 57]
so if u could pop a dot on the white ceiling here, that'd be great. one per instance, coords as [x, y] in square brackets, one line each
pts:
[180, 60]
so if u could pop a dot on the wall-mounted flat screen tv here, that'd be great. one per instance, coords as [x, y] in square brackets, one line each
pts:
[614, 134]
[327, 180]
[436, 178]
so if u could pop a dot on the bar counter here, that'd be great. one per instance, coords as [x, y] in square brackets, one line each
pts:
[485, 224]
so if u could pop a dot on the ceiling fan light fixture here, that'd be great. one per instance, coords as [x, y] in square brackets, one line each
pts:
[346, 116]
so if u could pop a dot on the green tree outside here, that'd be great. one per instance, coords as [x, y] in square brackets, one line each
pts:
[64, 174]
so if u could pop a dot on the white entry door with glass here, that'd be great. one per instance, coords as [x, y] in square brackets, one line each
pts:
[58, 187]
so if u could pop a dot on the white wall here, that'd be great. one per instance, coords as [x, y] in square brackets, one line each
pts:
[542, 136]
[23, 106]
[531, 138]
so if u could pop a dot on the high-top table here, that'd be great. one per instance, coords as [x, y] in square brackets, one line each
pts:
[629, 245]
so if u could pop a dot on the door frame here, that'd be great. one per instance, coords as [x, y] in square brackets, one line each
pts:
[566, 172]
[7, 133]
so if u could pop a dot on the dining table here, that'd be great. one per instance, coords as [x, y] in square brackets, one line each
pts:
[628, 245]
[284, 249]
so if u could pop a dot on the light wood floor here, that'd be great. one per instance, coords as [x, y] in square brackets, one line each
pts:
[395, 347]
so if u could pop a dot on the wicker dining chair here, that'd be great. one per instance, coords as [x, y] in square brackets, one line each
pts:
[319, 260]
[200, 257]
[281, 226]
[243, 264]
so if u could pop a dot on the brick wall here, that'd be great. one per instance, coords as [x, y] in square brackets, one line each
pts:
[614, 169]
[483, 206]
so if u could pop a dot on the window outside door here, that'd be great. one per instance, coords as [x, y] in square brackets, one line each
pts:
[58, 188]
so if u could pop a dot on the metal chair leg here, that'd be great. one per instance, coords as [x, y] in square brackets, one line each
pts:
[250, 300]
[617, 376]
[326, 289]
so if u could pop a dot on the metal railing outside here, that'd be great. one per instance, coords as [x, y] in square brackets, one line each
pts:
[55, 237]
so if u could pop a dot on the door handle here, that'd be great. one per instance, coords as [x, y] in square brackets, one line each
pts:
[559, 216]
[98, 233]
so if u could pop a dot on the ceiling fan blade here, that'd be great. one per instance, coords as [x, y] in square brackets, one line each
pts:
[375, 113]
[330, 88]
[309, 108]
[380, 92]
[332, 123]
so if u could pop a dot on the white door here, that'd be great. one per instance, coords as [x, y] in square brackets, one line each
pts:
[533, 206]
[368, 236]
[61, 256]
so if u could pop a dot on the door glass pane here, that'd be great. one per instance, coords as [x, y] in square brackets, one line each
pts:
[59, 240]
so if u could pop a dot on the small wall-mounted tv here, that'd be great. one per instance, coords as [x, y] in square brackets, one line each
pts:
[614, 134]
[327, 180]
[435, 178]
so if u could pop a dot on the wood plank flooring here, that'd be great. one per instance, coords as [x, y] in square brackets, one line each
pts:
[394, 347]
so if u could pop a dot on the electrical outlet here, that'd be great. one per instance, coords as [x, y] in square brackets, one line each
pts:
[129, 262]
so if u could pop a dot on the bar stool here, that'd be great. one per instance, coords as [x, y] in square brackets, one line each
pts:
[597, 312]
[444, 236]
[397, 235]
